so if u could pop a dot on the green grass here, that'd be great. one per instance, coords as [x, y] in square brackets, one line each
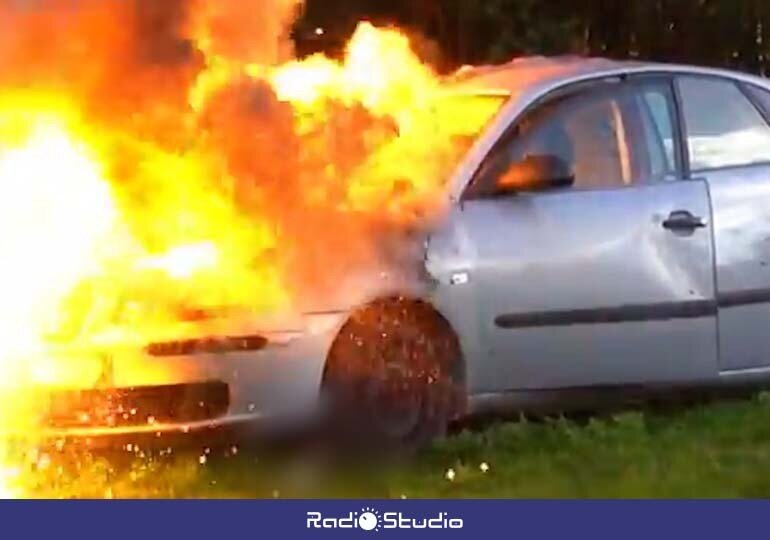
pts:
[715, 450]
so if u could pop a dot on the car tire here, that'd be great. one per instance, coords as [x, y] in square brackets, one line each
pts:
[393, 379]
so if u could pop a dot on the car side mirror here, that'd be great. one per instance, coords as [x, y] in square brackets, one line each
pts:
[535, 173]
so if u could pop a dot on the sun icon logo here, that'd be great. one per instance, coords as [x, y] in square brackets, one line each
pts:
[369, 520]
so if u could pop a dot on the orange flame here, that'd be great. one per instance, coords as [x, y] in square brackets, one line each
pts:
[128, 198]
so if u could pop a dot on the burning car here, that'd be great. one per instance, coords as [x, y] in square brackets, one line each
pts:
[226, 239]
[604, 235]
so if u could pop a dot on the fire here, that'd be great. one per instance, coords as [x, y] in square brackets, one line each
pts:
[381, 75]
[134, 193]
[184, 261]
[380, 72]
[55, 210]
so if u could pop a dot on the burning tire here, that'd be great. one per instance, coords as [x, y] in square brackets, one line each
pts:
[393, 378]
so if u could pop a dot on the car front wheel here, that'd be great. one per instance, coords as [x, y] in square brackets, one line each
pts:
[393, 377]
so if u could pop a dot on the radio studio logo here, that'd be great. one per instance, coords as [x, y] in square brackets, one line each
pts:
[369, 519]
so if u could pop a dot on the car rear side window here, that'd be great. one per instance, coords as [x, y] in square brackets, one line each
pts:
[724, 129]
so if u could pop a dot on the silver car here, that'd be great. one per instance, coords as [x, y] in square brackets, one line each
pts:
[608, 236]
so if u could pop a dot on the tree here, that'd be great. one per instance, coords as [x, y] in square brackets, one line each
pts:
[730, 33]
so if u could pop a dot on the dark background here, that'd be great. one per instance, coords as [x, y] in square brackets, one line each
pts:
[449, 33]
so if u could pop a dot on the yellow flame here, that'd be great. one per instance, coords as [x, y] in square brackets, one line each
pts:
[184, 261]
[380, 72]
[56, 211]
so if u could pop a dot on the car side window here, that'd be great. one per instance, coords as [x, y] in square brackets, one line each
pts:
[656, 109]
[761, 96]
[724, 129]
[584, 131]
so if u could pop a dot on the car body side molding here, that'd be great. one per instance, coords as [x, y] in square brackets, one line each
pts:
[746, 297]
[663, 311]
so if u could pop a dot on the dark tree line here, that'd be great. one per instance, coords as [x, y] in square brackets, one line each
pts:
[730, 33]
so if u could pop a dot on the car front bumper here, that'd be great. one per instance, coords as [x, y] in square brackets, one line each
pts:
[270, 389]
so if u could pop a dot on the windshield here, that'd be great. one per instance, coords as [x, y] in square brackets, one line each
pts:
[466, 116]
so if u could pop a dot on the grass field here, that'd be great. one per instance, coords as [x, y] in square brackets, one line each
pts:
[715, 450]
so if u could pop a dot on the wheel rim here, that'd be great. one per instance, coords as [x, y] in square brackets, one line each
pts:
[389, 374]
[395, 401]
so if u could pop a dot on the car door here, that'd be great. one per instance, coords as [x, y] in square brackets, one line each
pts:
[608, 282]
[728, 141]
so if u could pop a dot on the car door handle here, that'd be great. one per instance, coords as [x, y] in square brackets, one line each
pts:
[682, 220]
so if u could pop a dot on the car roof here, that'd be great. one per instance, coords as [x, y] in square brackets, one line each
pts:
[539, 72]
